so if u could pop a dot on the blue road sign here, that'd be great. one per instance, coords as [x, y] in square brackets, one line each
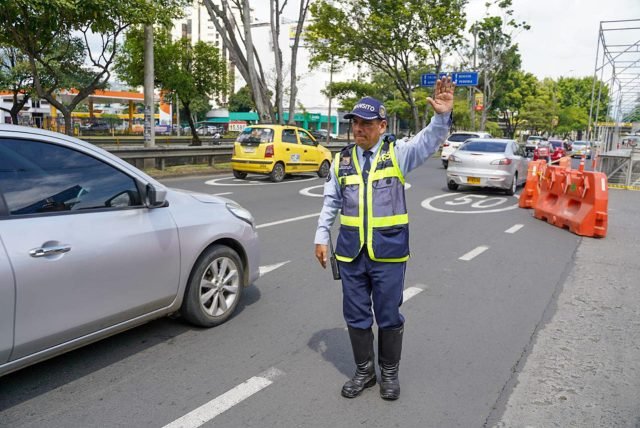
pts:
[464, 78]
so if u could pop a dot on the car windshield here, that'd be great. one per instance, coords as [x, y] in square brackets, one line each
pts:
[461, 138]
[556, 144]
[256, 135]
[580, 143]
[535, 139]
[484, 146]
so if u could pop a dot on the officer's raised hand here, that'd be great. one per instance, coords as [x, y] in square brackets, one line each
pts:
[442, 101]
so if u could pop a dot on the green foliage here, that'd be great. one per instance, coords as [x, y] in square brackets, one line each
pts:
[242, 100]
[389, 39]
[190, 71]
[572, 118]
[633, 116]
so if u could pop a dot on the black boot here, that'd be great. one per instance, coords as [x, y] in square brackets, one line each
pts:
[389, 350]
[365, 377]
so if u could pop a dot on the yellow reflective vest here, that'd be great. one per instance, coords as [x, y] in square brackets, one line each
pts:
[373, 213]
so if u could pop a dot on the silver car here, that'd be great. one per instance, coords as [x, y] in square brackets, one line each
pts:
[91, 246]
[488, 163]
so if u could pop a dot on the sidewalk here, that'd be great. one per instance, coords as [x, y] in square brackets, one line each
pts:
[584, 366]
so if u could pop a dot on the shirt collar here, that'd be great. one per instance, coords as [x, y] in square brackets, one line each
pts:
[373, 149]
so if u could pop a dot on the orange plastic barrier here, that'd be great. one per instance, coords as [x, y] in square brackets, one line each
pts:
[529, 195]
[574, 199]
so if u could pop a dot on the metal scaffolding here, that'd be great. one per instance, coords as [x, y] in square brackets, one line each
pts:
[617, 70]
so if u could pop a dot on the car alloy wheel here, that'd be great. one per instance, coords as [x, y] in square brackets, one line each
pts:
[277, 175]
[215, 287]
[324, 169]
[514, 185]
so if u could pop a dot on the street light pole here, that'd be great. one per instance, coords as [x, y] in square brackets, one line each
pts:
[330, 96]
[149, 116]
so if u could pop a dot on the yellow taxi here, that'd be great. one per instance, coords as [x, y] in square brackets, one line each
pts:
[277, 150]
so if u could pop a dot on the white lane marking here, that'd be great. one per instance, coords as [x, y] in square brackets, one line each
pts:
[474, 253]
[223, 193]
[234, 182]
[463, 200]
[407, 186]
[514, 228]
[307, 191]
[224, 402]
[287, 220]
[410, 292]
[268, 268]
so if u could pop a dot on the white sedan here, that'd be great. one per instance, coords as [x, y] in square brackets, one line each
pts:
[488, 163]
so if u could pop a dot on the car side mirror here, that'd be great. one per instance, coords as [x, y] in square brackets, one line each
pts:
[156, 197]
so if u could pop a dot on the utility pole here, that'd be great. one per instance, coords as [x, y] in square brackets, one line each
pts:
[149, 110]
[472, 89]
[330, 96]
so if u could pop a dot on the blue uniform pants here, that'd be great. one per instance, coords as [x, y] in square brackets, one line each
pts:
[364, 281]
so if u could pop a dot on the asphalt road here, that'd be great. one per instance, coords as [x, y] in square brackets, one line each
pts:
[483, 280]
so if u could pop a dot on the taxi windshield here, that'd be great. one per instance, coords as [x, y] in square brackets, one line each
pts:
[256, 135]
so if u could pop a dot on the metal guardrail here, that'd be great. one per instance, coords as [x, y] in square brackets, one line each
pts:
[622, 168]
[160, 154]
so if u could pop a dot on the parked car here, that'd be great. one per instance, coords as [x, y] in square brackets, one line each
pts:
[277, 150]
[91, 246]
[95, 127]
[551, 150]
[455, 140]
[488, 162]
[532, 143]
[580, 148]
[320, 135]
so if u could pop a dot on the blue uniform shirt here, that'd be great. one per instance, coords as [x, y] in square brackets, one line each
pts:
[410, 155]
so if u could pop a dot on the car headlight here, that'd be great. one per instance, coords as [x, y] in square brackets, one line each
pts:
[241, 213]
[454, 159]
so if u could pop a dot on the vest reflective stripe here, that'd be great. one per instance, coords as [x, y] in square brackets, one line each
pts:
[387, 218]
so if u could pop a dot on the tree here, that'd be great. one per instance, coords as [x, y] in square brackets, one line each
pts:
[54, 35]
[15, 77]
[540, 111]
[241, 100]
[496, 54]
[633, 115]
[572, 118]
[513, 91]
[388, 38]
[293, 87]
[195, 73]
[239, 42]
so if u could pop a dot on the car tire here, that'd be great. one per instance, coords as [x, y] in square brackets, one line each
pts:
[452, 185]
[445, 164]
[239, 174]
[324, 170]
[215, 287]
[278, 173]
[514, 185]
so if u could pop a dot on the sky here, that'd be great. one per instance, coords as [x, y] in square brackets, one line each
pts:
[563, 37]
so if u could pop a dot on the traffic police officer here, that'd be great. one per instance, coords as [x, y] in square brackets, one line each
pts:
[366, 185]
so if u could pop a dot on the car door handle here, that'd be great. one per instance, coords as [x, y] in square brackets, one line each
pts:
[288, 149]
[48, 251]
[305, 151]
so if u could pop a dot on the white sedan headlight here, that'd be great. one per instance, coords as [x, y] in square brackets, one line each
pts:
[241, 213]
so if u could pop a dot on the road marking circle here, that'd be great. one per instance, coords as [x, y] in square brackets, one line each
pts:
[476, 201]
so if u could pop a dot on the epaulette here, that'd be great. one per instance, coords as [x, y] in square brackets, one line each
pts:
[347, 148]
